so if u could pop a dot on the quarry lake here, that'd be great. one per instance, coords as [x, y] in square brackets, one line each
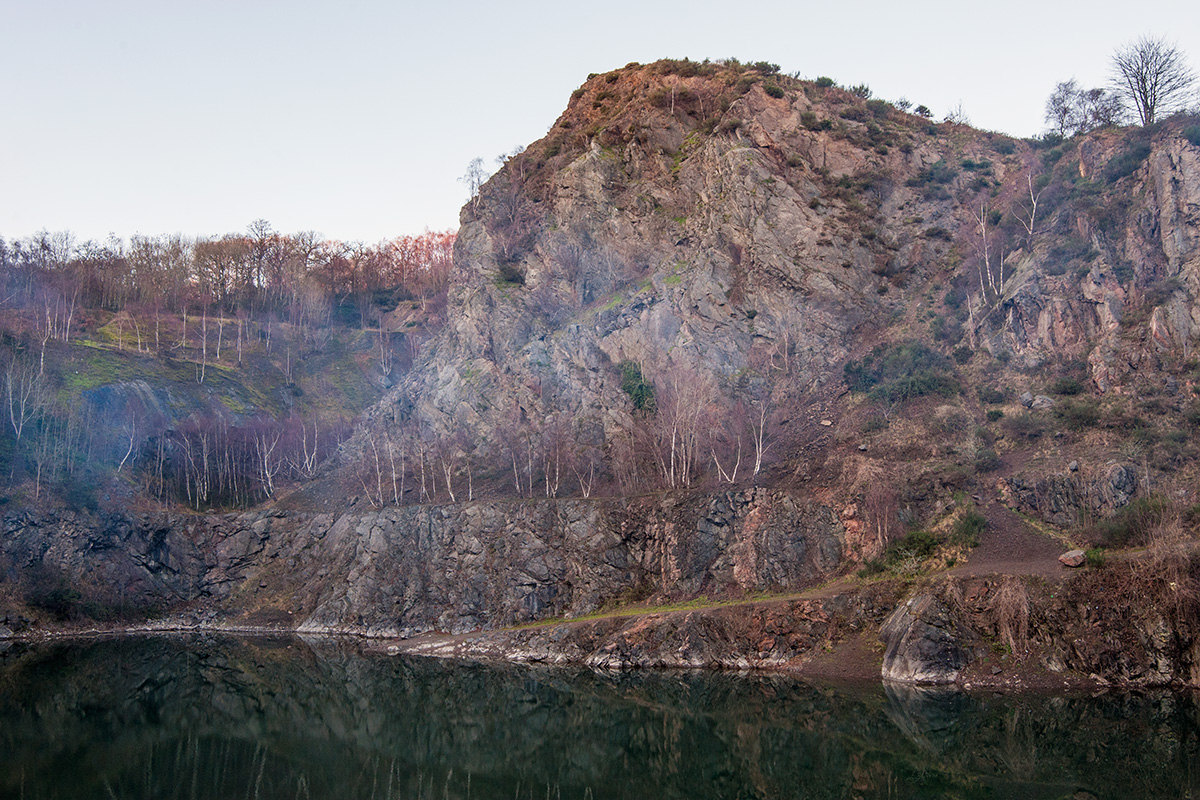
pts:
[218, 717]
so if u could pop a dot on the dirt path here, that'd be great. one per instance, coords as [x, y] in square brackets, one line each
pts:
[1011, 546]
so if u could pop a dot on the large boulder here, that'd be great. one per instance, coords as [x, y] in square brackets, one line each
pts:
[922, 643]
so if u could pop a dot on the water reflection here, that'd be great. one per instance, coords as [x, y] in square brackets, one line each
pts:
[208, 717]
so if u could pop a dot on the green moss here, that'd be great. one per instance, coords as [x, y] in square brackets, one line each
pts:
[616, 300]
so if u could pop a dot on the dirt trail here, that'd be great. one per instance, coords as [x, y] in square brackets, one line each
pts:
[1011, 546]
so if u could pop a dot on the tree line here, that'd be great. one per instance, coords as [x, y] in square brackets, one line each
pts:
[1149, 79]
[196, 306]
[260, 269]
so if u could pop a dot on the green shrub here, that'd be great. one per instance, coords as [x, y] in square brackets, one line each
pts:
[871, 568]
[825, 82]
[1024, 426]
[989, 395]
[967, 529]
[948, 330]
[897, 372]
[1051, 157]
[1005, 147]
[1068, 386]
[511, 273]
[1133, 523]
[773, 90]
[1160, 291]
[1095, 557]
[920, 544]
[916, 546]
[1127, 162]
[1192, 134]
[938, 173]
[635, 385]
[972, 165]
[994, 414]
[988, 460]
[1078, 414]
[879, 108]
[861, 90]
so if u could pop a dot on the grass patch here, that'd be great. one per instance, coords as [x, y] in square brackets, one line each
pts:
[1134, 523]
[901, 371]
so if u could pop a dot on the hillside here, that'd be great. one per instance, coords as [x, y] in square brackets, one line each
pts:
[699, 258]
[725, 333]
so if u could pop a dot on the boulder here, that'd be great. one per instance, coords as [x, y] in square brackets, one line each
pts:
[922, 643]
[1073, 558]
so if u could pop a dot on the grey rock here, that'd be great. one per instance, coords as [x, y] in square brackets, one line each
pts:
[5, 632]
[452, 567]
[1041, 402]
[1026, 399]
[922, 645]
[1073, 466]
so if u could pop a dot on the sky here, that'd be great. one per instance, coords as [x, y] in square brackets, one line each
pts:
[356, 119]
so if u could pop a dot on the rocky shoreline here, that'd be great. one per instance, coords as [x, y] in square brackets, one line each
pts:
[853, 631]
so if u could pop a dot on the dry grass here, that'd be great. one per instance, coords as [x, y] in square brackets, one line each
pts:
[1010, 605]
[1168, 571]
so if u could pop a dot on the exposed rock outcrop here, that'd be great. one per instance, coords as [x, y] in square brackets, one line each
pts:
[923, 643]
[454, 568]
[1060, 498]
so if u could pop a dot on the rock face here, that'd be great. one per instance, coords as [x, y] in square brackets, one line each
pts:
[1059, 498]
[754, 241]
[922, 642]
[453, 568]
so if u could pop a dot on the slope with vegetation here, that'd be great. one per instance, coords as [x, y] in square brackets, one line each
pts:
[808, 331]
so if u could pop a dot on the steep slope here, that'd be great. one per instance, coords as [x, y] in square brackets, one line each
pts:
[724, 240]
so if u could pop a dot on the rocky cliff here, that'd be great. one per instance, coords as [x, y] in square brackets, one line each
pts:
[721, 332]
[740, 236]
[409, 570]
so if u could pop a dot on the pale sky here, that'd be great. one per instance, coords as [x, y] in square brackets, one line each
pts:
[355, 119]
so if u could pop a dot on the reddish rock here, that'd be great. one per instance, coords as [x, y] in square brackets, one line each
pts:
[1073, 558]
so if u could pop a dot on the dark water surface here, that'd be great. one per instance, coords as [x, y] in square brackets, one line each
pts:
[215, 717]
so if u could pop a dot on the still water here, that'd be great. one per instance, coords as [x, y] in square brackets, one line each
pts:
[215, 717]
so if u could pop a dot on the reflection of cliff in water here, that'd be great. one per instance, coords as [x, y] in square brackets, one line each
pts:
[215, 717]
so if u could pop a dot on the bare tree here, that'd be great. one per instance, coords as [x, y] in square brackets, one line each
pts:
[957, 115]
[1028, 215]
[1062, 108]
[1153, 76]
[474, 178]
[681, 422]
[1099, 108]
[24, 392]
